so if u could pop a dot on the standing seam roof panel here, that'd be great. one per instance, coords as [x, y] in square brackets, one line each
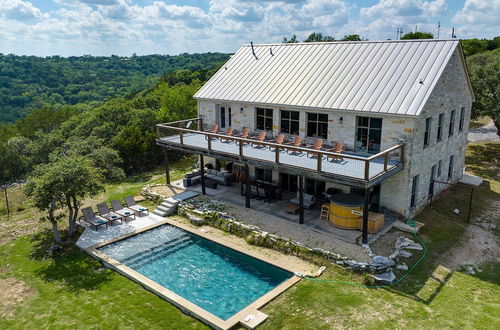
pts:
[370, 76]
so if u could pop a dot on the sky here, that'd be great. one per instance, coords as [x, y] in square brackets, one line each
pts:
[125, 27]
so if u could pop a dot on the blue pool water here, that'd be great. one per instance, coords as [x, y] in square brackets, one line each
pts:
[214, 277]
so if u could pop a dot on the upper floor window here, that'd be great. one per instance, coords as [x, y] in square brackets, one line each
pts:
[450, 167]
[427, 134]
[317, 125]
[462, 118]
[264, 119]
[414, 190]
[290, 122]
[440, 127]
[368, 134]
[451, 128]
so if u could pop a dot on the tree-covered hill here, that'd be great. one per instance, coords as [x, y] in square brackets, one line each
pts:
[30, 82]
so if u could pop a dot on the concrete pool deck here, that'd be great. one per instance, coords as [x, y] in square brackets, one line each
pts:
[248, 317]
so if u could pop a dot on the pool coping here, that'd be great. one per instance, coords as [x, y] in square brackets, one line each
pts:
[185, 305]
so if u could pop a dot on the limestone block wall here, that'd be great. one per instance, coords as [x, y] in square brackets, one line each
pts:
[450, 93]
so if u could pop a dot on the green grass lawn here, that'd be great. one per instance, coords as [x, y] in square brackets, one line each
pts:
[72, 290]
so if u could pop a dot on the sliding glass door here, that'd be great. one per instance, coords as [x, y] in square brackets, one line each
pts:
[368, 134]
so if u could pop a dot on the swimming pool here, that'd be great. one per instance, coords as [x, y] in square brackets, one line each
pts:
[218, 279]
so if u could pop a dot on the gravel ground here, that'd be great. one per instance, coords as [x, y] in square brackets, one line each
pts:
[309, 237]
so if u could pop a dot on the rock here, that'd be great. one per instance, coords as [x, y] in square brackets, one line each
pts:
[264, 234]
[469, 270]
[394, 255]
[196, 220]
[456, 211]
[384, 261]
[404, 253]
[402, 267]
[406, 243]
[385, 278]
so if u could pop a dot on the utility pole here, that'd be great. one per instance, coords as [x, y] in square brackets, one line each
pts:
[7, 201]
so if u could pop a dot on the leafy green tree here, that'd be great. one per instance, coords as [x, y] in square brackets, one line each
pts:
[319, 37]
[474, 46]
[484, 69]
[63, 183]
[417, 35]
[351, 37]
[292, 40]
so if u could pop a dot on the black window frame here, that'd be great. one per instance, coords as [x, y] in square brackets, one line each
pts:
[264, 117]
[450, 167]
[317, 123]
[414, 191]
[451, 127]
[365, 127]
[440, 127]
[462, 119]
[264, 175]
[427, 133]
[288, 124]
[431, 181]
[440, 165]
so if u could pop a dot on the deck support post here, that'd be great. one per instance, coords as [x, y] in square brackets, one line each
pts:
[167, 165]
[247, 186]
[365, 216]
[301, 199]
[202, 175]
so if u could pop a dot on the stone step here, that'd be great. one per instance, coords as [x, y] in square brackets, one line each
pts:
[163, 208]
[160, 213]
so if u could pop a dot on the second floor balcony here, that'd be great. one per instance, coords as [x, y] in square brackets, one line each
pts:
[322, 163]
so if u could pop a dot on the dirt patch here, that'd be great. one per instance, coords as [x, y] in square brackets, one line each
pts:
[13, 292]
[480, 245]
[19, 227]
[293, 262]
[167, 190]
[385, 245]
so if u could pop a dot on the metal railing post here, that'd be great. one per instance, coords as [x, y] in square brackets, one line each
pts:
[277, 154]
[241, 148]
[386, 159]
[367, 170]
[181, 138]
[209, 142]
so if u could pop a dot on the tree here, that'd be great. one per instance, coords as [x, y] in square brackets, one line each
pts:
[63, 183]
[293, 40]
[417, 35]
[319, 37]
[474, 46]
[484, 71]
[351, 37]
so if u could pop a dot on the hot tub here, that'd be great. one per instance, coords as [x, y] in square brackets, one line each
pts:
[346, 211]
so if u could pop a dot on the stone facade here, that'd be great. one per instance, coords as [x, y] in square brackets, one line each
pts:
[450, 93]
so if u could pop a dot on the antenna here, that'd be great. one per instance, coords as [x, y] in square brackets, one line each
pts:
[453, 33]
[253, 51]
[439, 28]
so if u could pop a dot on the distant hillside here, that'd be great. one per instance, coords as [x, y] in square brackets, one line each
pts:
[30, 82]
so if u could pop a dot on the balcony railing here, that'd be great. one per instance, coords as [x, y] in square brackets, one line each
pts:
[188, 134]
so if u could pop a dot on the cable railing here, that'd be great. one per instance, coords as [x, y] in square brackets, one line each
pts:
[189, 133]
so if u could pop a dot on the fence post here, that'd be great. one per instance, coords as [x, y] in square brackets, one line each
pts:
[386, 159]
[367, 170]
[181, 138]
[241, 148]
[277, 155]
[319, 155]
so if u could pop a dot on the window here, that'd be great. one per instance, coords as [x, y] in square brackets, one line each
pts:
[222, 115]
[264, 175]
[290, 122]
[230, 116]
[452, 123]
[317, 125]
[414, 188]
[264, 119]
[450, 168]
[440, 127]
[440, 163]
[427, 134]
[462, 118]
[289, 182]
[431, 181]
[368, 134]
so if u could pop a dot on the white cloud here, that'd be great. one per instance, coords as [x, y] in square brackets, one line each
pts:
[18, 10]
[479, 12]
[405, 8]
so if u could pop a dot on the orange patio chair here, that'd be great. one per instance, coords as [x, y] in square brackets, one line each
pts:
[297, 142]
[318, 143]
[337, 148]
[279, 140]
[260, 138]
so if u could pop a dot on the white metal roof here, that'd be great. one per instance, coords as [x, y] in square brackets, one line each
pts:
[393, 77]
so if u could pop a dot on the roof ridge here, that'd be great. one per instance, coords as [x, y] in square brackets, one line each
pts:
[348, 42]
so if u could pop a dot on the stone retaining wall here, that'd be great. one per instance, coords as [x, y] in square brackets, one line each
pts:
[152, 196]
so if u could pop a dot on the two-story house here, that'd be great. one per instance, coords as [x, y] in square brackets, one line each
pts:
[400, 108]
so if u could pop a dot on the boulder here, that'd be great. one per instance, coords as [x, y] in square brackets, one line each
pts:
[402, 267]
[385, 278]
[384, 261]
[404, 253]
[406, 243]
